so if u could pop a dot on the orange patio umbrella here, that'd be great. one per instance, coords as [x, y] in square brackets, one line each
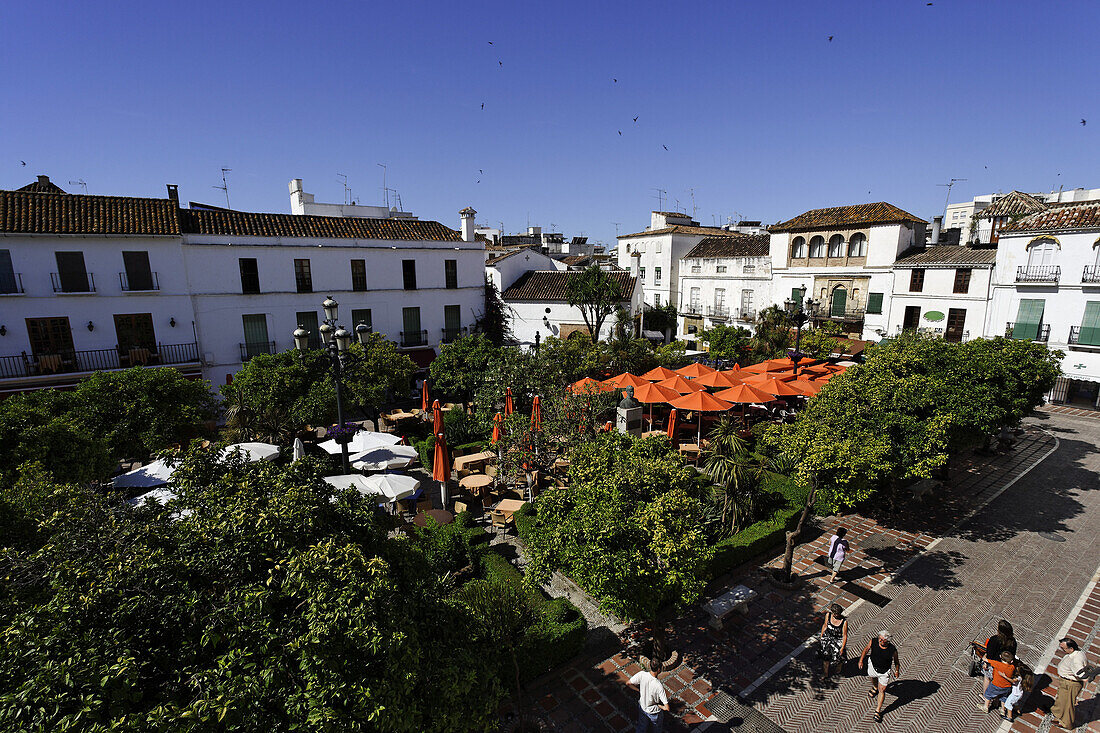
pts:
[825, 377]
[672, 425]
[624, 380]
[437, 417]
[651, 393]
[508, 402]
[441, 465]
[745, 394]
[498, 419]
[719, 380]
[701, 402]
[658, 374]
[757, 377]
[777, 388]
[536, 414]
[834, 368]
[424, 396]
[693, 370]
[589, 385]
[681, 385]
[771, 365]
[809, 389]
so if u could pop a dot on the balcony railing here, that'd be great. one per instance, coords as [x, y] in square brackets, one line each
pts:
[414, 338]
[745, 315]
[144, 282]
[718, 312]
[1038, 273]
[1042, 334]
[694, 309]
[81, 285]
[1091, 274]
[11, 283]
[65, 361]
[249, 350]
[453, 334]
[847, 313]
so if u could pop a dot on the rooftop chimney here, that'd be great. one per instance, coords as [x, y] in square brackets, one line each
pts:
[937, 224]
[467, 215]
[44, 180]
[635, 264]
[173, 193]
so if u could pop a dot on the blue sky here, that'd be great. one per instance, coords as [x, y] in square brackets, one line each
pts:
[762, 115]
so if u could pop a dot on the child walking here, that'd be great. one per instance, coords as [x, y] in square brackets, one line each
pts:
[1021, 688]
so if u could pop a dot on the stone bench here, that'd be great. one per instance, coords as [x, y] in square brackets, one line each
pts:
[735, 599]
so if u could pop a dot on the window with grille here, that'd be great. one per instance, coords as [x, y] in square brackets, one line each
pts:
[359, 275]
[916, 281]
[962, 281]
[303, 277]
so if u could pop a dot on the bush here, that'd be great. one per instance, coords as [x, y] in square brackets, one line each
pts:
[763, 535]
[554, 638]
[426, 449]
[450, 547]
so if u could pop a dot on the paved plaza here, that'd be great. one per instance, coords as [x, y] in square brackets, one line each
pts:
[1013, 536]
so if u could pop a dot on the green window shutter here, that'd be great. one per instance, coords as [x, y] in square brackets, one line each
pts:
[874, 302]
[1028, 318]
[796, 295]
[1090, 324]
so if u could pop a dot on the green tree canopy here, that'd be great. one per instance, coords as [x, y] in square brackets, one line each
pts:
[596, 294]
[728, 343]
[460, 368]
[44, 426]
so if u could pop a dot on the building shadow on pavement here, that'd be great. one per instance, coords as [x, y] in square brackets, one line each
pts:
[934, 570]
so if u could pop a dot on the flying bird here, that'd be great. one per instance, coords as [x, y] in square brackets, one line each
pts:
[24, 163]
[479, 180]
[481, 171]
[483, 105]
[620, 133]
[1083, 122]
[491, 43]
[665, 147]
[501, 64]
[636, 118]
[615, 80]
[928, 4]
[830, 39]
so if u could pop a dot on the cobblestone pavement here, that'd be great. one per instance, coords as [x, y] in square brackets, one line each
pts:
[936, 605]
[1070, 410]
[1026, 557]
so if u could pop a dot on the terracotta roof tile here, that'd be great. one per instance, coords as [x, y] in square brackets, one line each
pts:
[548, 285]
[684, 229]
[947, 255]
[249, 224]
[846, 216]
[745, 245]
[42, 185]
[498, 256]
[64, 213]
[576, 259]
[1013, 204]
[1077, 215]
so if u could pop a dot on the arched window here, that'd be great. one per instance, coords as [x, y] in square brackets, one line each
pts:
[836, 245]
[857, 245]
[838, 303]
[817, 247]
[798, 248]
[1040, 252]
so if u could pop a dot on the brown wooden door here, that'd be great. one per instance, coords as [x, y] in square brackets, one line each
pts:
[912, 318]
[956, 319]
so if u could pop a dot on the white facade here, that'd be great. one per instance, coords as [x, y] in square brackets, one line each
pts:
[943, 291]
[725, 284]
[504, 269]
[543, 311]
[303, 204]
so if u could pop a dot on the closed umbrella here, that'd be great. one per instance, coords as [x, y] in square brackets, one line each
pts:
[424, 395]
[498, 419]
[299, 449]
[441, 466]
[681, 385]
[624, 380]
[536, 414]
[508, 402]
[380, 459]
[252, 451]
[694, 370]
[658, 373]
[363, 440]
[701, 402]
[672, 425]
[437, 417]
[156, 473]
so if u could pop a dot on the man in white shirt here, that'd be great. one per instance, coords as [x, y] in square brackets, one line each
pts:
[652, 699]
[1069, 684]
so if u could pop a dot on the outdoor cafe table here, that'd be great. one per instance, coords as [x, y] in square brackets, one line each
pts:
[441, 516]
[509, 506]
[475, 482]
[654, 433]
[468, 462]
[690, 448]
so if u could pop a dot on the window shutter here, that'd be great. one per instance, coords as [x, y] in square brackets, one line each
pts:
[1028, 318]
[1090, 324]
[874, 302]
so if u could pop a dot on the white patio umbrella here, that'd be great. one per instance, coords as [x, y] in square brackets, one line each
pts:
[299, 449]
[353, 481]
[382, 458]
[161, 494]
[362, 441]
[253, 452]
[156, 473]
[396, 486]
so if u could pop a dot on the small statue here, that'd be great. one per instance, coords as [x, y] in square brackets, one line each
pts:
[628, 400]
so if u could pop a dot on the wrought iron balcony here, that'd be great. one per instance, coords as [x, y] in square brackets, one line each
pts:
[73, 284]
[745, 315]
[848, 313]
[414, 338]
[1042, 334]
[718, 312]
[453, 334]
[1074, 334]
[11, 283]
[694, 309]
[249, 350]
[144, 282]
[1038, 273]
[1091, 274]
[69, 361]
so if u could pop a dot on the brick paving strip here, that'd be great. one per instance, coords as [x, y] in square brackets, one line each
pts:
[591, 695]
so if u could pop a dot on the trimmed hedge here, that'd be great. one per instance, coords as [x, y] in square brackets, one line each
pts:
[761, 536]
[557, 635]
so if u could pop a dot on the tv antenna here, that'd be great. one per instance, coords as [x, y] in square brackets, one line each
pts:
[385, 190]
[693, 209]
[661, 193]
[950, 184]
[225, 186]
[79, 182]
[617, 225]
[347, 191]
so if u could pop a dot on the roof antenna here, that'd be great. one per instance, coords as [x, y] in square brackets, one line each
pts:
[225, 186]
[347, 191]
[384, 189]
[80, 182]
[693, 209]
[949, 185]
[660, 197]
[616, 223]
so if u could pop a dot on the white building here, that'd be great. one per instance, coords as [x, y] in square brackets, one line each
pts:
[1047, 288]
[962, 215]
[670, 236]
[504, 268]
[842, 257]
[942, 290]
[539, 306]
[302, 203]
[103, 282]
[724, 280]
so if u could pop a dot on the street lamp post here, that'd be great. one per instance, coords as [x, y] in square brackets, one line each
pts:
[335, 341]
[797, 313]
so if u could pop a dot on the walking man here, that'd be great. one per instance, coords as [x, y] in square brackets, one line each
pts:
[879, 655]
[652, 700]
[1069, 684]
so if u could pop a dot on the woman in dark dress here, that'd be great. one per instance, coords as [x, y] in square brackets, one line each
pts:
[1002, 641]
[834, 638]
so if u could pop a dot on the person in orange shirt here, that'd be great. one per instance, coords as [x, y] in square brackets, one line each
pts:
[1000, 687]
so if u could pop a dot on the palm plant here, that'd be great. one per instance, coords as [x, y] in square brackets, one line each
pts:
[735, 471]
